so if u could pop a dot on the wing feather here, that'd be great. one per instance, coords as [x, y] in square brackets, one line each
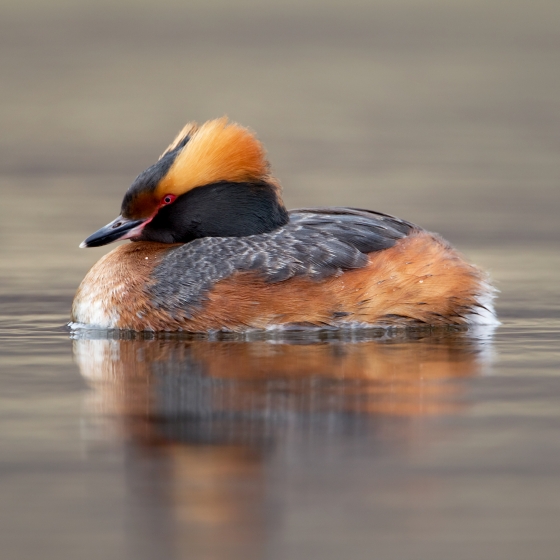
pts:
[316, 243]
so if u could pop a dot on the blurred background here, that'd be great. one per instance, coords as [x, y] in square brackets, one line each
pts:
[443, 113]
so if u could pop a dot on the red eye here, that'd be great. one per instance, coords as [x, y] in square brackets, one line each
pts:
[168, 199]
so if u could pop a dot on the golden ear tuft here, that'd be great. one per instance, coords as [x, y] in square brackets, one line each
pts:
[187, 130]
[217, 151]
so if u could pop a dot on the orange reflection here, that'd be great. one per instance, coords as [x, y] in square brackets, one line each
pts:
[159, 378]
[212, 408]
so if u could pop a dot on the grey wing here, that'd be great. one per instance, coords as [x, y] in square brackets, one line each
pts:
[316, 243]
[366, 230]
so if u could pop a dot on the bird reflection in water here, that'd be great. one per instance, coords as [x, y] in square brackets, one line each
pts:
[212, 411]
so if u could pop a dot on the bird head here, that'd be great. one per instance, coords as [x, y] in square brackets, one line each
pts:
[212, 180]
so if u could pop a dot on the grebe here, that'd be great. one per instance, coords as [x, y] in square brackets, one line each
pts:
[215, 249]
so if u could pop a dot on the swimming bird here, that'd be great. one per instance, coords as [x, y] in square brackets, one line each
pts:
[214, 249]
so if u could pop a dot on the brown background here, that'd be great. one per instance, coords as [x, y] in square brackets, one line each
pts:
[446, 113]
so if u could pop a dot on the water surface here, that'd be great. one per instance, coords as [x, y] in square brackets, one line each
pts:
[404, 445]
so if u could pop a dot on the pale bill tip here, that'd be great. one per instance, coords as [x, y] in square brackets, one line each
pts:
[82, 245]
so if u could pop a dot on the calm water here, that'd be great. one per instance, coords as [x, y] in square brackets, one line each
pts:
[420, 445]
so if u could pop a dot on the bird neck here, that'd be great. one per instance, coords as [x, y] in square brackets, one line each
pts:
[221, 209]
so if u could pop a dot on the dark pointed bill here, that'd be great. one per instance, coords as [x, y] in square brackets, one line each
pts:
[119, 228]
